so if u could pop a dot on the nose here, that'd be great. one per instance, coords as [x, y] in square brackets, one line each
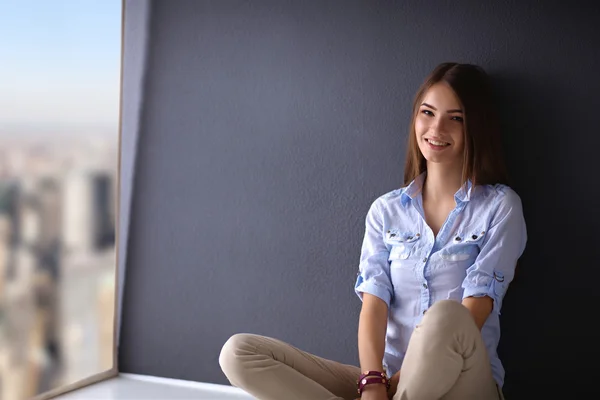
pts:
[437, 127]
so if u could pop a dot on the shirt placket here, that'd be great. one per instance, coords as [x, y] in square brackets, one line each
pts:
[433, 244]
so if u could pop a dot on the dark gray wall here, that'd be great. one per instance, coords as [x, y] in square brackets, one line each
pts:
[268, 129]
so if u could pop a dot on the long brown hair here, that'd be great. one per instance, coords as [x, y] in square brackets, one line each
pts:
[483, 161]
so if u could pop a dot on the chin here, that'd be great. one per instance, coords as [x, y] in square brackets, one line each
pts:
[435, 160]
[448, 159]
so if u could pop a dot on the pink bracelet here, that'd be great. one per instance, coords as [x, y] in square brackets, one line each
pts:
[372, 377]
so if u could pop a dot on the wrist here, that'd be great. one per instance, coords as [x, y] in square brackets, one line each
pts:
[378, 391]
[375, 388]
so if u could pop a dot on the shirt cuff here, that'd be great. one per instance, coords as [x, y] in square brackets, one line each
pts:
[373, 288]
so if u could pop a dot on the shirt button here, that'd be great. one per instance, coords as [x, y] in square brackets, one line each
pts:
[425, 285]
[425, 259]
[424, 311]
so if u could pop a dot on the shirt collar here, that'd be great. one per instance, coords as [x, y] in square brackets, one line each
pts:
[465, 192]
[414, 189]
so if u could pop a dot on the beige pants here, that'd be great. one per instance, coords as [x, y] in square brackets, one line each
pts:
[446, 359]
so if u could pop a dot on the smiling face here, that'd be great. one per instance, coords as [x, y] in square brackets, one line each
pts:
[439, 126]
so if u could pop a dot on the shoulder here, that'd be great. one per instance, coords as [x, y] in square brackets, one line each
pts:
[386, 200]
[500, 198]
[390, 197]
[500, 193]
[395, 194]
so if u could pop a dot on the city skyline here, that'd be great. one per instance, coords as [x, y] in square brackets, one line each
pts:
[60, 70]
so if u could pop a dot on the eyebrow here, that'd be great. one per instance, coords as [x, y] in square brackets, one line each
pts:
[456, 110]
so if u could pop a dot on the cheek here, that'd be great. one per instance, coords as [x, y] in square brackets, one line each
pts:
[420, 126]
[459, 139]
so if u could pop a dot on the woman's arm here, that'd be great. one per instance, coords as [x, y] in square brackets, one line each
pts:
[372, 327]
[374, 287]
[488, 278]
[480, 308]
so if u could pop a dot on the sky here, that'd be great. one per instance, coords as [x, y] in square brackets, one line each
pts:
[60, 63]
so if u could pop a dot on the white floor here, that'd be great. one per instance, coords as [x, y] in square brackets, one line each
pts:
[140, 387]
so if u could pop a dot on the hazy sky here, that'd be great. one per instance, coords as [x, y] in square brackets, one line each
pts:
[60, 62]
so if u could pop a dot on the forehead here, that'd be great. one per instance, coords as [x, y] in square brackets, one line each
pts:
[441, 95]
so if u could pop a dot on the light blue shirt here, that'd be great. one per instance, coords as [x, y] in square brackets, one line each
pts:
[474, 254]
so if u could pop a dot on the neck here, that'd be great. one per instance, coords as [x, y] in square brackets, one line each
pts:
[442, 182]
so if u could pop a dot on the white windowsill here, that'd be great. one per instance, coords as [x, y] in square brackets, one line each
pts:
[143, 387]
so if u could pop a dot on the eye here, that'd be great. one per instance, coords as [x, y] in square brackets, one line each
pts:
[427, 112]
[459, 119]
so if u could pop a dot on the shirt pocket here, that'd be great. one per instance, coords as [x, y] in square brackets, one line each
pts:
[402, 244]
[403, 260]
[464, 248]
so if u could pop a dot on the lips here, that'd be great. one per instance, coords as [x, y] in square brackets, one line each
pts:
[437, 144]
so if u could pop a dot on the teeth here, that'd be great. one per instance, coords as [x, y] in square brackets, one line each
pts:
[436, 143]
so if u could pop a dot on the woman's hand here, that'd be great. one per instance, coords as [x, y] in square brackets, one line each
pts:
[393, 385]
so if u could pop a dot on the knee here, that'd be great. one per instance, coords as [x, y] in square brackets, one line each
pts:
[232, 352]
[448, 314]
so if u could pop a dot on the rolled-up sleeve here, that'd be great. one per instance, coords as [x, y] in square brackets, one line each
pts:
[374, 269]
[504, 243]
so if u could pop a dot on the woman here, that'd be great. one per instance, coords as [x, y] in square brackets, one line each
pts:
[436, 261]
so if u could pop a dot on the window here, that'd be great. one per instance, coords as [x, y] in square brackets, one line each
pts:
[60, 78]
